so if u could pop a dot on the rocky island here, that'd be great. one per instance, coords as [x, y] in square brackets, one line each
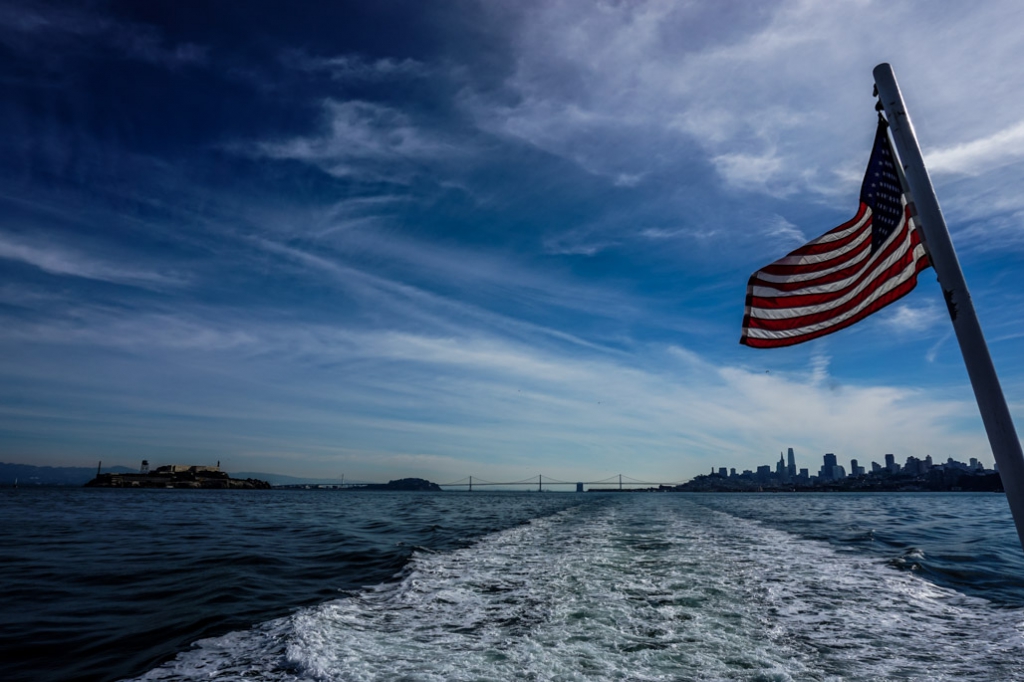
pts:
[416, 484]
[177, 476]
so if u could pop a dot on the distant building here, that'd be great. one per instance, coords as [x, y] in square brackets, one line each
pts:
[805, 475]
[827, 471]
[912, 467]
[792, 464]
[764, 472]
[723, 472]
[144, 469]
[781, 470]
[890, 463]
[856, 470]
[732, 472]
[875, 467]
[185, 468]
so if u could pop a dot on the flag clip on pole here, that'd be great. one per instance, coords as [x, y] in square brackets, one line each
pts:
[994, 413]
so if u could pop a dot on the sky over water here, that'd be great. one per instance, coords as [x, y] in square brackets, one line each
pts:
[440, 239]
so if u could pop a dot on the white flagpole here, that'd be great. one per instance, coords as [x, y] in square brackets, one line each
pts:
[994, 413]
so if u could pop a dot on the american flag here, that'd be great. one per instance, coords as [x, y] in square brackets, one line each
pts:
[844, 275]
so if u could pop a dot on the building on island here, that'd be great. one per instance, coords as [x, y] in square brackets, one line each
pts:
[175, 476]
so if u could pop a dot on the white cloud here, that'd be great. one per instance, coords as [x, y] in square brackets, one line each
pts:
[408, 306]
[749, 171]
[660, 233]
[903, 318]
[819, 369]
[784, 231]
[585, 241]
[362, 139]
[778, 96]
[933, 350]
[462, 402]
[349, 67]
[977, 156]
[59, 260]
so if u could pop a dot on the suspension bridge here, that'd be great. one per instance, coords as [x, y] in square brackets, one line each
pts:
[615, 482]
[540, 482]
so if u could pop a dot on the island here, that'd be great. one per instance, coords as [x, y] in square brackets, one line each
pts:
[414, 484]
[177, 476]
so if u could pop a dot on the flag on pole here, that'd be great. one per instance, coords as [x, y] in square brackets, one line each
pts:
[847, 273]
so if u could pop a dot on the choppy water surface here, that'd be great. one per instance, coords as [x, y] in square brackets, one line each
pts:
[105, 584]
[964, 541]
[638, 587]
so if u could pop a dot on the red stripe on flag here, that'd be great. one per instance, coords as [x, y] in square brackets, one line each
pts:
[890, 297]
[814, 318]
[799, 301]
[778, 268]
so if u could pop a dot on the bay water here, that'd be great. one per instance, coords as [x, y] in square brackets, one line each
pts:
[341, 585]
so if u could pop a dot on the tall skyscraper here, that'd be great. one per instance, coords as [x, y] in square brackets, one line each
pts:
[828, 469]
[792, 464]
[781, 470]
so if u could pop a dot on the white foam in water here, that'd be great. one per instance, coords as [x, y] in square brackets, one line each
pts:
[658, 589]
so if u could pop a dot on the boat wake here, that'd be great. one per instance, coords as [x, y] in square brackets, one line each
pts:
[640, 590]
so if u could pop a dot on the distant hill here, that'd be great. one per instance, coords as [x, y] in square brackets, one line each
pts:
[27, 475]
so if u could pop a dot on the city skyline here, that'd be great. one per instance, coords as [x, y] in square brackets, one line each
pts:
[786, 470]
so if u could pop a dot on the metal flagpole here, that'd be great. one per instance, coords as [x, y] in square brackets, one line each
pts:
[994, 413]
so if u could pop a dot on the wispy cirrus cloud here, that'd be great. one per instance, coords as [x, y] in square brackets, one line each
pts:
[407, 306]
[780, 229]
[61, 260]
[362, 139]
[354, 67]
[394, 394]
[22, 26]
[980, 155]
[903, 318]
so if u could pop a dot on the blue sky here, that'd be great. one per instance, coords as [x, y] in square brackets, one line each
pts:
[440, 239]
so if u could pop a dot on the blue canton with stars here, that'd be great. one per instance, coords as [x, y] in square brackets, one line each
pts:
[881, 189]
